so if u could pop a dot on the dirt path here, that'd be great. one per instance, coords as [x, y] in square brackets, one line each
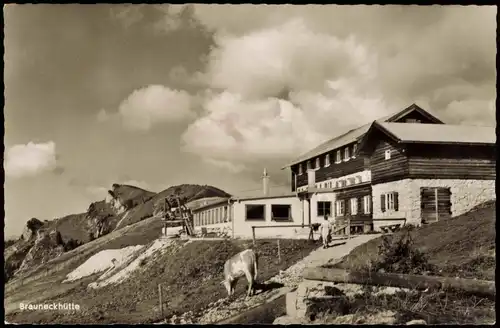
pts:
[290, 278]
[338, 249]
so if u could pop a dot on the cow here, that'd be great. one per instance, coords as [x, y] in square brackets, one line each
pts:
[242, 264]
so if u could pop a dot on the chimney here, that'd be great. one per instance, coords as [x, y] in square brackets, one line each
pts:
[265, 182]
[311, 178]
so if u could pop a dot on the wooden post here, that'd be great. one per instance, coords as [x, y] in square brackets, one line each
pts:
[348, 227]
[436, 202]
[161, 301]
[475, 287]
[279, 252]
[253, 235]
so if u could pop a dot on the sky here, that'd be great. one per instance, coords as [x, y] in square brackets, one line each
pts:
[158, 95]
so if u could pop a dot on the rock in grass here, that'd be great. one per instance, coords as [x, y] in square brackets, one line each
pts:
[416, 322]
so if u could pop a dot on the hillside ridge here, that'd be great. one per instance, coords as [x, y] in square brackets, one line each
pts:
[122, 206]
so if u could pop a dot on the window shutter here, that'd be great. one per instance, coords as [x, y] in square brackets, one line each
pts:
[382, 202]
[335, 208]
[396, 201]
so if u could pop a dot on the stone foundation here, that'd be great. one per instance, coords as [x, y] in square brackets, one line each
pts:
[465, 194]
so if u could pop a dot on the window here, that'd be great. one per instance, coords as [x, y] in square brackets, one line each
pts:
[358, 179]
[338, 157]
[281, 212]
[367, 204]
[301, 169]
[327, 160]
[339, 208]
[389, 202]
[388, 154]
[354, 150]
[318, 164]
[308, 165]
[255, 212]
[351, 181]
[412, 120]
[324, 208]
[354, 206]
[346, 154]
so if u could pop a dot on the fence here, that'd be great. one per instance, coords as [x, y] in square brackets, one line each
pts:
[280, 226]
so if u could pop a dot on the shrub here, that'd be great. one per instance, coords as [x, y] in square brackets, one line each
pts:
[400, 255]
[9, 242]
[71, 244]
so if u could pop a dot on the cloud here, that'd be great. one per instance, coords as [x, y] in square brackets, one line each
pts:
[154, 104]
[282, 79]
[102, 116]
[58, 170]
[226, 165]
[97, 191]
[283, 90]
[30, 159]
[159, 19]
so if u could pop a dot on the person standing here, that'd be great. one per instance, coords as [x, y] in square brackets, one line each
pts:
[325, 231]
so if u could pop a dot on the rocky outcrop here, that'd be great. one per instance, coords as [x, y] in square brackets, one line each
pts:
[100, 217]
[48, 245]
[14, 257]
[31, 228]
[115, 203]
[16, 253]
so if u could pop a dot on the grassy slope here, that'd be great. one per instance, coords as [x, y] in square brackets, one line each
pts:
[76, 226]
[466, 243]
[73, 226]
[192, 274]
[44, 282]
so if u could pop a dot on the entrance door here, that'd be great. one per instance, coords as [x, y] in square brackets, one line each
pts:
[435, 204]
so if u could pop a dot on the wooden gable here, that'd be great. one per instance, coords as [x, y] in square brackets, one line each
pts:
[414, 114]
[373, 137]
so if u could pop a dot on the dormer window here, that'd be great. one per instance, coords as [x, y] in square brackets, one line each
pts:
[317, 166]
[327, 160]
[354, 150]
[308, 165]
[346, 154]
[338, 157]
[301, 169]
